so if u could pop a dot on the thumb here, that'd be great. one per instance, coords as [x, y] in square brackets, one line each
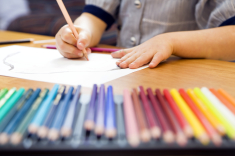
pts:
[83, 40]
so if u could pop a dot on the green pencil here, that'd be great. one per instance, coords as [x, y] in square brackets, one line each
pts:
[11, 102]
[6, 97]
[3, 93]
[20, 131]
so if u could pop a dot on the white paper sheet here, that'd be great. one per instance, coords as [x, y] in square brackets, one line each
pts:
[49, 66]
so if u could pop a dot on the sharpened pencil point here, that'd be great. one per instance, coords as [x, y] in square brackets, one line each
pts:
[42, 132]
[4, 138]
[53, 135]
[33, 129]
[134, 141]
[89, 125]
[110, 133]
[188, 132]
[66, 132]
[168, 137]
[181, 139]
[145, 136]
[16, 138]
[155, 132]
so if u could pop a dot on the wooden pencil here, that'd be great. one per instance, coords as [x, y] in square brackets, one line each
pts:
[198, 129]
[142, 123]
[214, 122]
[155, 129]
[180, 137]
[130, 120]
[227, 96]
[168, 135]
[215, 137]
[224, 100]
[182, 121]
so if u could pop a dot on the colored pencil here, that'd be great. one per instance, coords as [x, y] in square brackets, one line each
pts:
[155, 129]
[17, 136]
[230, 130]
[60, 116]
[11, 101]
[4, 137]
[67, 127]
[77, 133]
[132, 133]
[228, 115]
[142, 123]
[99, 123]
[210, 117]
[110, 116]
[180, 137]
[70, 23]
[93, 49]
[15, 109]
[3, 92]
[182, 121]
[89, 123]
[43, 130]
[43, 111]
[227, 96]
[224, 100]
[17, 41]
[215, 137]
[198, 129]
[168, 135]
[7, 96]
[121, 130]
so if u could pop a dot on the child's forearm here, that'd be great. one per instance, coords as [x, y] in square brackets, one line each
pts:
[216, 43]
[93, 25]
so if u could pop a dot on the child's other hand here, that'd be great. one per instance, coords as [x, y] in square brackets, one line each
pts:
[69, 46]
[155, 50]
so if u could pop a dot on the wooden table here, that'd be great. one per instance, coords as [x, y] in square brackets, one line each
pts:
[183, 73]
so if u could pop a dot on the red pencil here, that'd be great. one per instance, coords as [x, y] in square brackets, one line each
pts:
[223, 100]
[180, 137]
[183, 123]
[153, 124]
[168, 135]
[215, 137]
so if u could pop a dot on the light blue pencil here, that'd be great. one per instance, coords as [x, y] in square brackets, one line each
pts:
[43, 110]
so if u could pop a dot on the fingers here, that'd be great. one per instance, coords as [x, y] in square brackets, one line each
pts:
[121, 53]
[158, 58]
[67, 50]
[140, 61]
[129, 58]
[83, 39]
[67, 36]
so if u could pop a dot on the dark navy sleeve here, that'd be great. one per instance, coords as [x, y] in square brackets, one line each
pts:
[101, 14]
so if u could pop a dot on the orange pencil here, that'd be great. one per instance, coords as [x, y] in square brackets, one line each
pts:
[215, 123]
[208, 127]
[70, 23]
[223, 100]
[227, 96]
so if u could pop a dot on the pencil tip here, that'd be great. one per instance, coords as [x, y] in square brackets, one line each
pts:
[168, 137]
[16, 138]
[4, 138]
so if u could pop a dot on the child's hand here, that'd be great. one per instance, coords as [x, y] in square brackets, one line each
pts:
[154, 51]
[69, 46]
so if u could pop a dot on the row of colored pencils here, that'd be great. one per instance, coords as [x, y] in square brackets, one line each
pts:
[174, 116]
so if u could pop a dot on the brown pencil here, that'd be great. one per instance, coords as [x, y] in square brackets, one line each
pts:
[180, 136]
[168, 135]
[141, 121]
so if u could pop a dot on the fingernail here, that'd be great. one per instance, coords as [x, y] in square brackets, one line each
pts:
[123, 64]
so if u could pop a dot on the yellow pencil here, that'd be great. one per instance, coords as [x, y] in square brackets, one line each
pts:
[210, 117]
[230, 129]
[198, 129]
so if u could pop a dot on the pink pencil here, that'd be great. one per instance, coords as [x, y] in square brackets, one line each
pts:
[94, 49]
[130, 120]
[70, 23]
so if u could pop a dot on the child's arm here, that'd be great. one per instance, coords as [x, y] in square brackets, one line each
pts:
[216, 43]
[90, 29]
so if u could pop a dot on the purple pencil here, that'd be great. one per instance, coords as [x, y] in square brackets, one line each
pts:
[90, 116]
[99, 125]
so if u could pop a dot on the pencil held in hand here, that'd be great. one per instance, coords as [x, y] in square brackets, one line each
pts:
[70, 23]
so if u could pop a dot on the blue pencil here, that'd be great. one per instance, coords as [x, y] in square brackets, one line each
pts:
[90, 116]
[66, 129]
[43, 110]
[43, 130]
[99, 123]
[4, 137]
[110, 117]
[15, 109]
[60, 116]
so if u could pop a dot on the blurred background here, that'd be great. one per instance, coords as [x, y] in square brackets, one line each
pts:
[43, 17]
